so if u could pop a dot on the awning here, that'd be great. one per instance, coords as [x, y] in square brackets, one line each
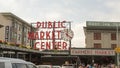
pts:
[49, 56]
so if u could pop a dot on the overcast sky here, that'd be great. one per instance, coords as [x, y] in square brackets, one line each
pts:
[76, 11]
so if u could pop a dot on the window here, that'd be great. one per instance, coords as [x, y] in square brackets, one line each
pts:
[97, 36]
[31, 66]
[19, 65]
[20, 27]
[13, 65]
[2, 65]
[97, 45]
[19, 37]
[113, 46]
[15, 25]
[14, 37]
[113, 36]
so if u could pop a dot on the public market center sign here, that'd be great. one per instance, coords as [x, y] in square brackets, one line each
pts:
[51, 35]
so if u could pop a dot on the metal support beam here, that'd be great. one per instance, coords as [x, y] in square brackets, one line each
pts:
[117, 33]
[1, 53]
[30, 57]
[70, 40]
[16, 54]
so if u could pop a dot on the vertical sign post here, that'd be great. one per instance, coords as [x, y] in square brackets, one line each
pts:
[70, 40]
[117, 46]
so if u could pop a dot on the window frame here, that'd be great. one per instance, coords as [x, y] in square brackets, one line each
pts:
[16, 65]
[3, 66]
[31, 65]
[113, 36]
[113, 46]
[97, 45]
[97, 35]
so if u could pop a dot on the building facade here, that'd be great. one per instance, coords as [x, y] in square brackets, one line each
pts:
[100, 34]
[14, 30]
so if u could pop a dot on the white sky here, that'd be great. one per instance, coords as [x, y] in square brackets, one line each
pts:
[77, 11]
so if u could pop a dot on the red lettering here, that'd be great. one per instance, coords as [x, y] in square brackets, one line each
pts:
[73, 51]
[48, 46]
[58, 32]
[43, 24]
[35, 46]
[54, 24]
[42, 45]
[112, 52]
[76, 52]
[96, 52]
[59, 45]
[50, 25]
[42, 35]
[36, 36]
[38, 24]
[105, 52]
[53, 35]
[64, 46]
[47, 34]
[31, 35]
[62, 24]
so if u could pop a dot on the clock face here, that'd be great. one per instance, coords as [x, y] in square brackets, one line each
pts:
[67, 34]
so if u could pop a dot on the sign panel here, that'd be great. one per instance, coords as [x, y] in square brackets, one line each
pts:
[6, 33]
[51, 35]
[117, 49]
[98, 52]
[106, 24]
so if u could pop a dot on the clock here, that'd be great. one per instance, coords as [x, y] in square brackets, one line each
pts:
[67, 34]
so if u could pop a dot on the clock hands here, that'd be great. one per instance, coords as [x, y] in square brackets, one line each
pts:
[68, 35]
